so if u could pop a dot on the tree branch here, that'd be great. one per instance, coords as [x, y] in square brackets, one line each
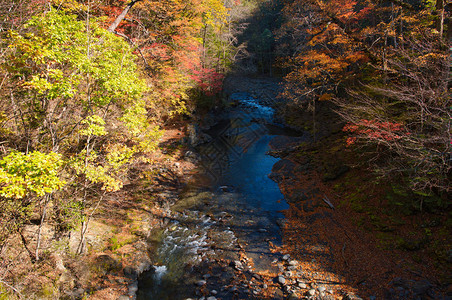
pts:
[121, 17]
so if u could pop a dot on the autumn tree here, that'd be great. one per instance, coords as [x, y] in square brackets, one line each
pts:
[64, 79]
[385, 66]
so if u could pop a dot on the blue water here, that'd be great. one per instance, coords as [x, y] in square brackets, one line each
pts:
[248, 176]
[238, 167]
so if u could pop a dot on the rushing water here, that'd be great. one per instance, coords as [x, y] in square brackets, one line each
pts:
[240, 203]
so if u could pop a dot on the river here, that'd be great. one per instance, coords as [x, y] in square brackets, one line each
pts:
[229, 225]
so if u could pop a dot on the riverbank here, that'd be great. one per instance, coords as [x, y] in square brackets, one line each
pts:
[352, 230]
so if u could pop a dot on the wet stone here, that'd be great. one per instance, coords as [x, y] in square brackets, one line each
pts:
[321, 289]
[281, 280]
[311, 292]
[213, 292]
[201, 282]
[286, 257]
[211, 298]
[291, 268]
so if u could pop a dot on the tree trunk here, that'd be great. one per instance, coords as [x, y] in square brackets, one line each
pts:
[449, 27]
[121, 17]
[440, 12]
[38, 239]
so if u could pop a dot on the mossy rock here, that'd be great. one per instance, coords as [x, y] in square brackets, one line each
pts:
[105, 264]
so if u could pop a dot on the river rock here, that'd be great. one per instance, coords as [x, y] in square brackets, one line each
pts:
[123, 297]
[282, 169]
[281, 280]
[302, 285]
[236, 264]
[351, 296]
[106, 264]
[257, 276]
[286, 257]
[196, 136]
[192, 157]
[321, 289]
[311, 292]
[293, 296]
[213, 292]
[293, 263]
[211, 298]
[201, 282]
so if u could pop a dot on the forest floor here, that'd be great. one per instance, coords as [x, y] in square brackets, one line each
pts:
[352, 229]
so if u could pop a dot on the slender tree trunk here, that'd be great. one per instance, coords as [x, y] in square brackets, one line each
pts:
[204, 41]
[394, 25]
[84, 227]
[121, 16]
[449, 27]
[440, 12]
[38, 239]
[313, 120]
